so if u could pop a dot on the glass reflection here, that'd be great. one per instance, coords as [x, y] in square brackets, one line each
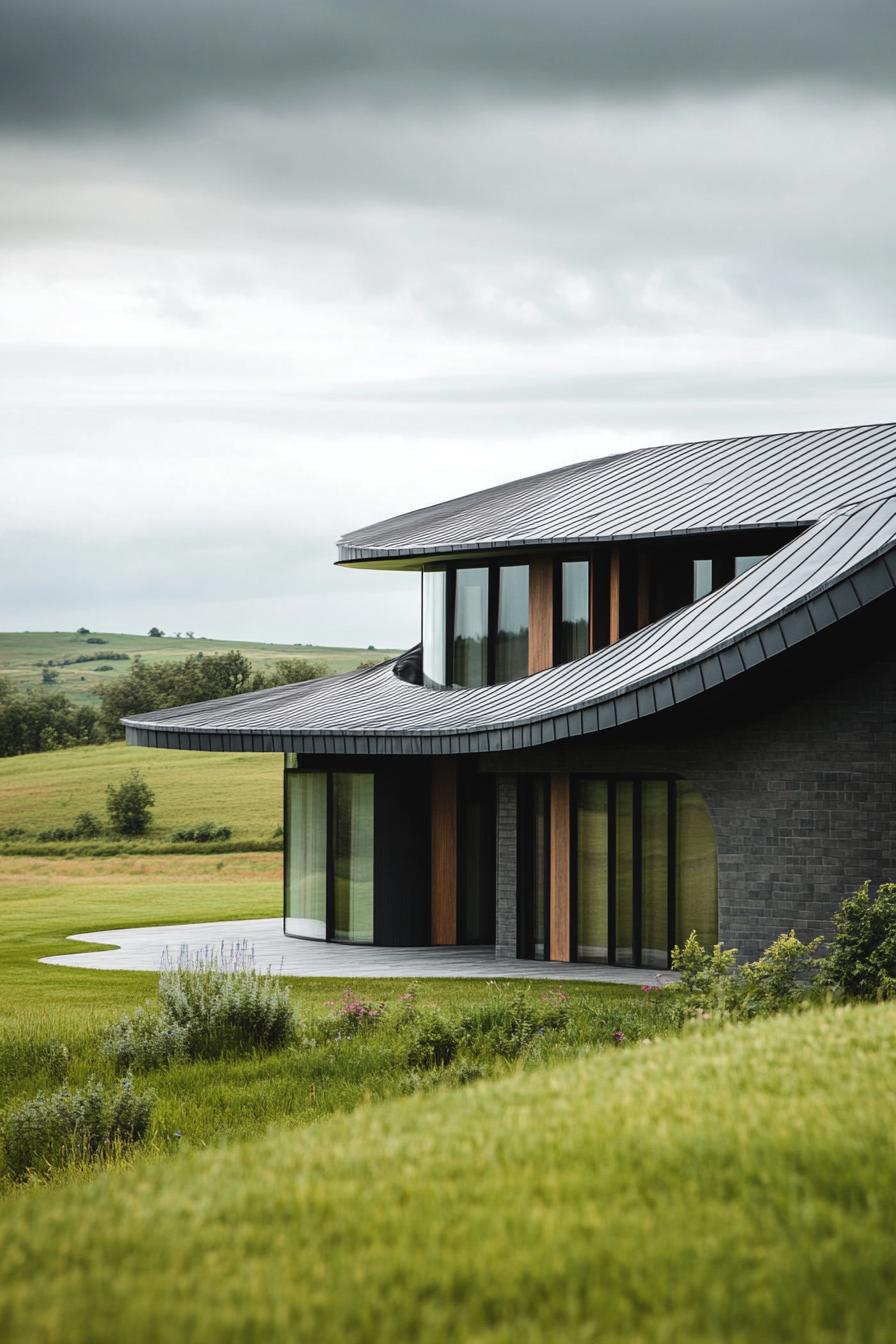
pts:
[471, 627]
[435, 612]
[512, 639]
[573, 610]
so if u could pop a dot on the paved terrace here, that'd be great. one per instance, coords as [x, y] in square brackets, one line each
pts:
[261, 943]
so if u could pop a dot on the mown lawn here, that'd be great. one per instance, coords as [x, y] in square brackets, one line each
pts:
[243, 791]
[728, 1185]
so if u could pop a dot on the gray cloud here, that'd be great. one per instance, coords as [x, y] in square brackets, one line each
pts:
[66, 62]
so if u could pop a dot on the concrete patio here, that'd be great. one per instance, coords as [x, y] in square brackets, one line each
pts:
[265, 947]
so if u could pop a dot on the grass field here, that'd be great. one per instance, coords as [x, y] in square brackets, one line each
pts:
[20, 651]
[49, 789]
[734, 1185]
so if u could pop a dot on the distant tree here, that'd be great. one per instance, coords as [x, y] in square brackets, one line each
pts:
[82, 630]
[43, 720]
[48, 676]
[370, 647]
[189, 634]
[150, 686]
[156, 632]
[129, 804]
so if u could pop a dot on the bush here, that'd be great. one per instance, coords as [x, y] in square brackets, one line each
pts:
[53, 1130]
[513, 1019]
[778, 979]
[861, 962]
[222, 1004]
[144, 1040]
[435, 1043]
[87, 826]
[706, 977]
[129, 804]
[353, 1012]
[204, 833]
[12, 832]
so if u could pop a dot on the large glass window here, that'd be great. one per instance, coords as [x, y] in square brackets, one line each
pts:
[655, 873]
[697, 907]
[435, 613]
[353, 858]
[628, 832]
[512, 635]
[574, 624]
[471, 627]
[744, 562]
[592, 869]
[305, 913]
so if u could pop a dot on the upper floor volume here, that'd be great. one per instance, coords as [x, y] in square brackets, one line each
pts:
[545, 570]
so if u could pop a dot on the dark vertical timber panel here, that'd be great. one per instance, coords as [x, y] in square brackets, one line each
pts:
[561, 832]
[401, 905]
[541, 615]
[444, 853]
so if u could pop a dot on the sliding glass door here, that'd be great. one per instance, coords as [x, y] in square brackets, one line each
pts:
[329, 856]
[646, 872]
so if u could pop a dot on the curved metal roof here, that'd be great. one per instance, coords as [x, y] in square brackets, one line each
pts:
[771, 480]
[836, 566]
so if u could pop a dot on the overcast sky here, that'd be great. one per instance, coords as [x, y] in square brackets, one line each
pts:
[273, 271]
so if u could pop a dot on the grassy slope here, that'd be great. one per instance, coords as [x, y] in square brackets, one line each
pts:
[50, 789]
[733, 1186]
[20, 650]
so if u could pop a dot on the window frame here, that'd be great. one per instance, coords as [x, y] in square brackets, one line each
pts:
[330, 921]
[612, 779]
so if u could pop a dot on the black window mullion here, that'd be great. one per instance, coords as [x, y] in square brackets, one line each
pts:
[450, 587]
[672, 859]
[611, 872]
[637, 872]
[331, 896]
[492, 623]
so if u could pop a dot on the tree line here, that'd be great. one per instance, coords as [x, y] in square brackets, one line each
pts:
[46, 720]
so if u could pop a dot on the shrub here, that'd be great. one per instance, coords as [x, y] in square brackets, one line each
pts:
[129, 804]
[69, 1126]
[87, 826]
[12, 832]
[861, 962]
[507, 1023]
[144, 1040]
[95, 639]
[204, 833]
[435, 1043]
[777, 979]
[223, 1003]
[706, 977]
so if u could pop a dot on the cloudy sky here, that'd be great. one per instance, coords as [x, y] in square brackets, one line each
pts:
[273, 271]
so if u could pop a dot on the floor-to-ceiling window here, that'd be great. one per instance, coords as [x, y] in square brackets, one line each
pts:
[435, 616]
[470, 662]
[533, 919]
[305, 907]
[645, 870]
[352, 857]
[329, 855]
[512, 633]
[574, 615]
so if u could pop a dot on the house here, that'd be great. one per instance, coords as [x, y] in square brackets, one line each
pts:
[654, 693]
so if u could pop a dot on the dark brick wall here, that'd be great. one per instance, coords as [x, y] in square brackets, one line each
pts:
[796, 763]
[505, 890]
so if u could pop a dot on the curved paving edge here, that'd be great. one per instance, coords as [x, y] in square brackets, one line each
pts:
[145, 949]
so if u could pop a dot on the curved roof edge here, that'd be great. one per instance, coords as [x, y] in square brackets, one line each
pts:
[855, 578]
[758, 482]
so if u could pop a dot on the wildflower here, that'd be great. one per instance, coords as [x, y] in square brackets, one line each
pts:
[618, 1036]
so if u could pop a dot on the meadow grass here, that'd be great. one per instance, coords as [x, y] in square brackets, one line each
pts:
[20, 650]
[240, 790]
[732, 1184]
[43, 1007]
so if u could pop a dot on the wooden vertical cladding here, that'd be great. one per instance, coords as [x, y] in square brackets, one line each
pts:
[541, 614]
[615, 594]
[444, 853]
[643, 589]
[561, 867]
